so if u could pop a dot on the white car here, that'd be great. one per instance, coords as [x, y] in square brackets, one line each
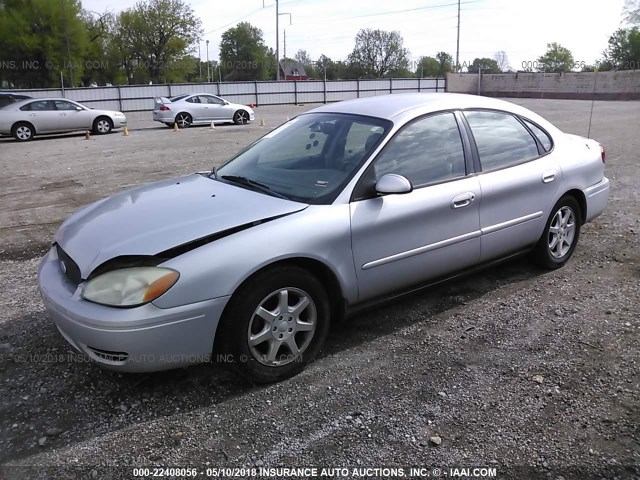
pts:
[199, 109]
[37, 116]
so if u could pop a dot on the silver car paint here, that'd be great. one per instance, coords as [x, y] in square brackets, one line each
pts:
[200, 112]
[153, 218]
[371, 246]
[55, 121]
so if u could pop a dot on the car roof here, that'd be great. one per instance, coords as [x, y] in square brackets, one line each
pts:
[38, 99]
[394, 106]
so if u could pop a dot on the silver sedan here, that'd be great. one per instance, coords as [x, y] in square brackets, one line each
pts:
[37, 116]
[343, 206]
[199, 109]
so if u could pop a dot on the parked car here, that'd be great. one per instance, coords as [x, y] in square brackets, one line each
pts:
[7, 98]
[199, 109]
[341, 207]
[38, 116]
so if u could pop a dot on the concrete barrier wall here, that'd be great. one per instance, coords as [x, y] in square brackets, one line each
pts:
[615, 85]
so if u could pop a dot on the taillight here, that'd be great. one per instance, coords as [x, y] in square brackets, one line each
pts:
[164, 108]
[603, 154]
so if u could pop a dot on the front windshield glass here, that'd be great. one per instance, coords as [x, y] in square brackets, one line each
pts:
[310, 158]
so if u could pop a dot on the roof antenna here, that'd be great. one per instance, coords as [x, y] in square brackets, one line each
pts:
[593, 97]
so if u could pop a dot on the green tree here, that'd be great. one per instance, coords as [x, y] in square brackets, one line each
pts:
[309, 65]
[445, 63]
[243, 54]
[40, 39]
[155, 37]
[427, 67]
[557, 59]
[378, 53]
[325, 65]
[623, 52]
[485, 65]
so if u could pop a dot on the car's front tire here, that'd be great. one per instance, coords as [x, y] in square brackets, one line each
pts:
[561, 234]
[23, 132]
[241, 117]
[275, 324]
[102, 126]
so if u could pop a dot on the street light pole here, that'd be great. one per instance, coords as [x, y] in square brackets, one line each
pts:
[277, 41]
[458, 41]
[200, 61]
[208, 69]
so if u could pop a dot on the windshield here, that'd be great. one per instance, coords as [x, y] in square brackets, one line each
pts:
[310, 158]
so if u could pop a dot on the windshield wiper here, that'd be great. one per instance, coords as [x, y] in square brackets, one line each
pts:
[214, 172]
[252, 183]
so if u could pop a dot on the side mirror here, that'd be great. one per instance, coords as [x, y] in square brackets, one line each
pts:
[226, 103]
[78, 109]
[393, 183]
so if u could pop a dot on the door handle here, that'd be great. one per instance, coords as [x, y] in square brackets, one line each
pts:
[548, 176]
[463, 200]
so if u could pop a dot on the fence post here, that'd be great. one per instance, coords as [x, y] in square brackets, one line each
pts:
[255, 89]
[325, 89]
[170, 94]
[391, 85]
[295, 92]
[119, 97]
[218, 88]
[420, 85]
[357, 88]
[437, 85]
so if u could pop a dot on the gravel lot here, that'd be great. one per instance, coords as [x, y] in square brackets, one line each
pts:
[533, 373]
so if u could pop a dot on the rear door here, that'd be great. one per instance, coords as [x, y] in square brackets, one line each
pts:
[42, 114]
[401, 240]
[518, 180]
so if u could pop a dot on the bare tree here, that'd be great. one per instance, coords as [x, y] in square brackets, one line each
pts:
[502, 60]
[631, 12]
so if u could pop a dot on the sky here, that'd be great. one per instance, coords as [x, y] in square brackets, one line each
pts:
[522, 28]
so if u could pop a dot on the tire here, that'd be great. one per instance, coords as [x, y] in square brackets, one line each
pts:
[23, 132]
[241, 117]
[561, 234]
[102, 126]
[271, 346]
[184, 120]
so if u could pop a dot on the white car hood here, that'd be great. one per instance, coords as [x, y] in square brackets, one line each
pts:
[157, 217]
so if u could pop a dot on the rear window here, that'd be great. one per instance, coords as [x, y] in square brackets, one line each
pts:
[179, 97]
[540, 134]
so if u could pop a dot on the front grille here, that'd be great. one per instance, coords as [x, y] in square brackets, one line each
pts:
[69, 267]
[109, 356]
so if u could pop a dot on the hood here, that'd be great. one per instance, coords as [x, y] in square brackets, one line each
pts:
[157, 217]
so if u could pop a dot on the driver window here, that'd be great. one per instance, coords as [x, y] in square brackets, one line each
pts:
[426, 151]
[62, 105]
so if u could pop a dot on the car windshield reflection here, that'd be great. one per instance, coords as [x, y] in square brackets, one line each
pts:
[311, 157]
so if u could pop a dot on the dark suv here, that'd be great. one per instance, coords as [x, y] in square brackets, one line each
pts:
[9, 98]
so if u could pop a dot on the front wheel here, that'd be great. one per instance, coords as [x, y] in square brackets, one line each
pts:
[275, 324]
[102, 126]
[241, 117]
[561, 234]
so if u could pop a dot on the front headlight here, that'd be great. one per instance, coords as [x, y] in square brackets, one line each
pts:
[130, 287]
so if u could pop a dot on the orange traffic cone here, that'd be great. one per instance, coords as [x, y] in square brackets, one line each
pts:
[125, 132]
[87, 135]
[175, 127]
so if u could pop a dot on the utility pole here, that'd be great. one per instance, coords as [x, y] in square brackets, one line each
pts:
[277, 41]
[208, 69]
[284, 60]
[200, 62]
[458, 41]
[66, 33]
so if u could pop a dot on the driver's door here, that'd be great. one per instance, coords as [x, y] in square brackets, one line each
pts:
[403, 239]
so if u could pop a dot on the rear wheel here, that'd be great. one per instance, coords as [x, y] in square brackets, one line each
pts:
[240, 117]
[275, 324]
[184, 120]
[23, 131]
[102, 126]
[561, 234]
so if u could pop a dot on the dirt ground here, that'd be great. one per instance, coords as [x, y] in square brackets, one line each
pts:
[532, 373]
